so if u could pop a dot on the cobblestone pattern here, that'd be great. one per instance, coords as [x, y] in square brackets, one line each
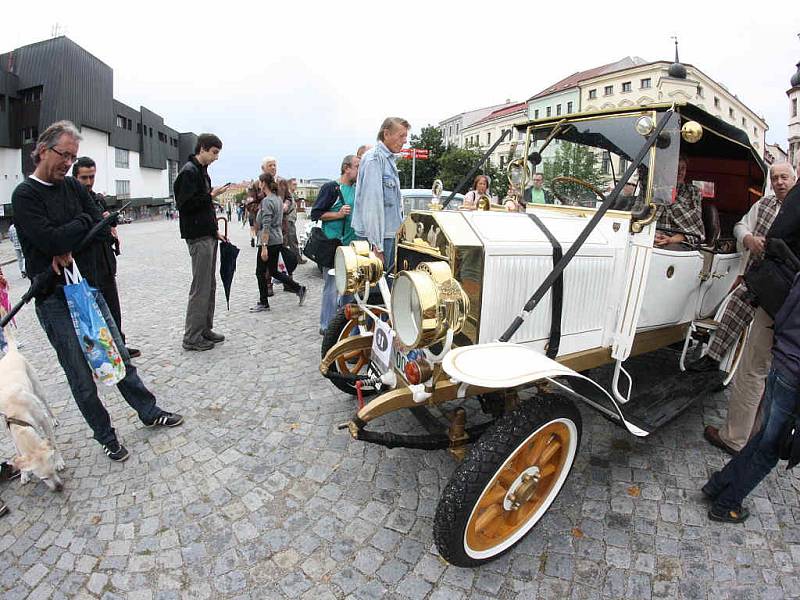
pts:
[259, 496]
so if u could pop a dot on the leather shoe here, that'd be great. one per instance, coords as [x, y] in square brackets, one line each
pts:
[213, 336]
[134, 352]
[200, 346]
[711, 434]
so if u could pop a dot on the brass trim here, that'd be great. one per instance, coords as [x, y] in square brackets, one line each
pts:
[644, 342]
[350, 344]
[582, 211]
[400, 398]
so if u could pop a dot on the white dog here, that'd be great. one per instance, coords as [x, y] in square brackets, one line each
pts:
[28, 420]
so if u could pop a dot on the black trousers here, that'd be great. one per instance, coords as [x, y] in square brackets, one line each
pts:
[271, 265]
[108, 287]
[263, 278]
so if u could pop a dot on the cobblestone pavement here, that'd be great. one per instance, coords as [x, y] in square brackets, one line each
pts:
[259, 496]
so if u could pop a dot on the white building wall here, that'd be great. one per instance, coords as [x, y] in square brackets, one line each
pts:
[144, 182]
[10, 172]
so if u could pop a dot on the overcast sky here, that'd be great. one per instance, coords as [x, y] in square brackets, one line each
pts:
[310, 81]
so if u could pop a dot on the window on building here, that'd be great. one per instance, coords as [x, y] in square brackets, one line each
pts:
[121, 121]
[536, 113]
[569, 107]
[450, 130]
[2, 103]
[700, 91]
[151, 131]
[731, 114]
[744, 122]
[645, 83]
[456, 128]
[608, 90]
[31, 95]
[30, 134]
[794, 107]
[123, 189]
[626, 86]
[623, 164]
[502, 161]
[549, 111]
[520, 135]
[592, 94]
[605, 167]
[716, 102]
[755, 131]
[121, 158]
[488, 138]
[558, 109]
[130, 124]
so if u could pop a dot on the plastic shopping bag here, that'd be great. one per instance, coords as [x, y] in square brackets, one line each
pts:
[92, 330]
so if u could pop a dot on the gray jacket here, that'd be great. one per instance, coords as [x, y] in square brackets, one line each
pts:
[269, 220]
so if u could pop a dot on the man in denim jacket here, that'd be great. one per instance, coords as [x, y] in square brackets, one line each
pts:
[378, 208]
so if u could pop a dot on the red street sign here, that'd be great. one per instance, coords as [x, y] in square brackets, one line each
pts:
[409, 153]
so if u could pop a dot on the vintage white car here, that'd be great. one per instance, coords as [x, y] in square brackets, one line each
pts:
[530, 312]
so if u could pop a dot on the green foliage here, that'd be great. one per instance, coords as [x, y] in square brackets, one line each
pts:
[240, 196]
[429, 139]
[448, 164]
[574, 160]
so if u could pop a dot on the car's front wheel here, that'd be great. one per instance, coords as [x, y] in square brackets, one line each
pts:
[508, 481]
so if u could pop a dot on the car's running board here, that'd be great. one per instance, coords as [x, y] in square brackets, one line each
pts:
[660, 393]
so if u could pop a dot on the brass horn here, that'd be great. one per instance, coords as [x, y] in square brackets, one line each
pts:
[484, 203]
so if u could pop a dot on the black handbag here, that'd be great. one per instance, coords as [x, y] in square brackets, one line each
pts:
[319, 247]
[770, 280]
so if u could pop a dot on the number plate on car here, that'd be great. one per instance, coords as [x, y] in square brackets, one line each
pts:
[382, 345]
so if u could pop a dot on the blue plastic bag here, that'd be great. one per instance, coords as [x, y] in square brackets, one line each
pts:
[92, 330]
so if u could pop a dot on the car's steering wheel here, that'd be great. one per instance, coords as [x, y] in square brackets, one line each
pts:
[556, 181]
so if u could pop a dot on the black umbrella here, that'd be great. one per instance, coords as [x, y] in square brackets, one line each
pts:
[227, 262]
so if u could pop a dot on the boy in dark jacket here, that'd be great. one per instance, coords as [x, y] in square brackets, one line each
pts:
[729, 487]
[198, 224]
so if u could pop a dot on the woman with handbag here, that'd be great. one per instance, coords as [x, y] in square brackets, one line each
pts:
[270, 241]
[334, 208]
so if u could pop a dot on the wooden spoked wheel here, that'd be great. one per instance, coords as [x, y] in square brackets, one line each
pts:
[520, 488]
[352, 362]
[508, 481]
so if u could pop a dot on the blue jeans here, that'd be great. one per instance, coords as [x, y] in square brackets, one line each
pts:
[331, 300]
[55, 319]
[746, 470]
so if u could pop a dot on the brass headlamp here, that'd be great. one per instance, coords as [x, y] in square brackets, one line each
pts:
[356, 265]
[426, 303]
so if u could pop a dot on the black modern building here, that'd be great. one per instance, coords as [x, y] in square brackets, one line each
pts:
[57, 79]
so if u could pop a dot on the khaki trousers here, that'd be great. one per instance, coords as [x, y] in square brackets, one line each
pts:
[748, 383]
[202, 294]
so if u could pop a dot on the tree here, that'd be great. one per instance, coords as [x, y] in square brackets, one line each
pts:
[574, 160]
[430, 139]
[457, 162]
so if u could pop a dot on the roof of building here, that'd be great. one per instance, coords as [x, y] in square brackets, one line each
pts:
[573, 80]
[469, 117]
[502, 112]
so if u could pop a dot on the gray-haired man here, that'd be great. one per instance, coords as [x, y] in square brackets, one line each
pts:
[53, 215]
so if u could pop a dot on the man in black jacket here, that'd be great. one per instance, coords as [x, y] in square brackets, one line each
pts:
[198, 224]
[53, 214]
[84, 170]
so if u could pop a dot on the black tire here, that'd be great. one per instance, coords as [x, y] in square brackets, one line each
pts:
[335, 331]
[478, 477]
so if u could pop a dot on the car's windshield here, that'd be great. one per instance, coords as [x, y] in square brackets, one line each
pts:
[595, 151]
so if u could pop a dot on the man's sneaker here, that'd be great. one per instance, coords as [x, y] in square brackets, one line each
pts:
[259, 308]
[134, 352]
[213, 336]
[166, 419]
[199, 346]
[116, 451]
[301, 295]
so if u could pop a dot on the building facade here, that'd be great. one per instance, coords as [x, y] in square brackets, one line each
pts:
[482, 134]
[137, 154]
[794, 119]
[452, 128]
